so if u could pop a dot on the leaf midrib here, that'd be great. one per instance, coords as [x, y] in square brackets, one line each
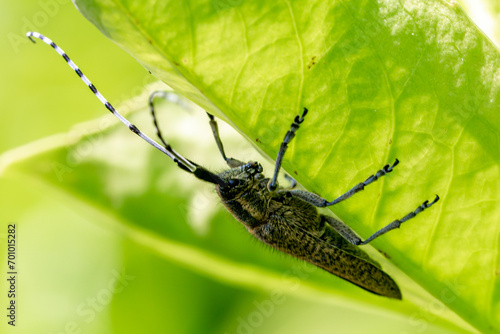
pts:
[210, 264]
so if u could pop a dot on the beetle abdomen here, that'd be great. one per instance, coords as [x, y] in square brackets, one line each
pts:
[303, 245]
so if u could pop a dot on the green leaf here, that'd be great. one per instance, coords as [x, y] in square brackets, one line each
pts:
[382, 79]
[485, 13]
[100, 196]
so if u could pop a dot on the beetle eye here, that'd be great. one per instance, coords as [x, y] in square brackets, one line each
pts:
[253, 168]
[234, 182]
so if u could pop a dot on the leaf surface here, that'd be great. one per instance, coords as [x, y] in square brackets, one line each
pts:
[412, 80]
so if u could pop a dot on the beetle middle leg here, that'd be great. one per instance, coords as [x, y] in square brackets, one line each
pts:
[321, 202]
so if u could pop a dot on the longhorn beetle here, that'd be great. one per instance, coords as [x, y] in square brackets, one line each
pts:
[286, 219]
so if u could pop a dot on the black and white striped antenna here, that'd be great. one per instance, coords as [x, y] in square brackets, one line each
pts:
[176, 157]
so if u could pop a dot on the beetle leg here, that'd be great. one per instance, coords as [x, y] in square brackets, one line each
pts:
[346, 232]
[273, 183]
[231, 162]
[397, 223]
[321, 202]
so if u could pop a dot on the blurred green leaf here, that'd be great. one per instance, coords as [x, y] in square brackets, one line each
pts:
[381, 79]
[106, 176]
[32, 89]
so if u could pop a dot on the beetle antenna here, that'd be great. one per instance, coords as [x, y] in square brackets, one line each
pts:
[169, 96]
[182, 162]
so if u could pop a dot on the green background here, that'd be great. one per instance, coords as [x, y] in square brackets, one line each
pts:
[71, 250]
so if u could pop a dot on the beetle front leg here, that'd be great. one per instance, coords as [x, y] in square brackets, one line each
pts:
[231, 162]
[273, 183]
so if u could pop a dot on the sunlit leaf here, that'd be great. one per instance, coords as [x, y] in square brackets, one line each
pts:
[382, 80]
[116, 183]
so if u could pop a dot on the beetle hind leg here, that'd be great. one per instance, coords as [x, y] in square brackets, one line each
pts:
[397, 223]
[346, 232]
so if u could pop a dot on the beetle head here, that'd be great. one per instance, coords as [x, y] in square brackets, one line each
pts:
[239, 179]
